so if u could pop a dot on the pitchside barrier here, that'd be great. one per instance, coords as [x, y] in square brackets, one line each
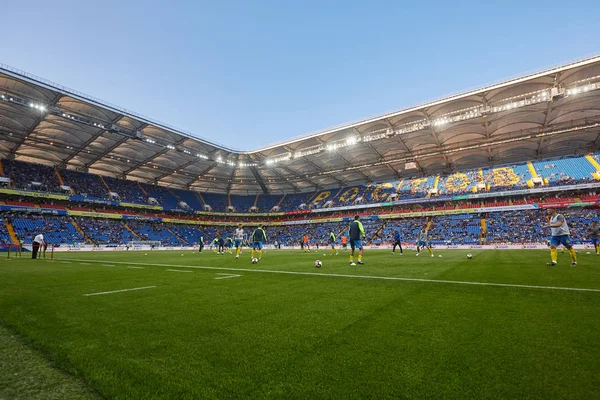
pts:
[17, 250]
[384, 246]
[11, 250]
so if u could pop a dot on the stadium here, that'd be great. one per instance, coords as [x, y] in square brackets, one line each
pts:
[148, 298]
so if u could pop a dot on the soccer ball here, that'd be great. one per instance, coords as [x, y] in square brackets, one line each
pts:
[469, 256]
[318, 264]
[254, 260]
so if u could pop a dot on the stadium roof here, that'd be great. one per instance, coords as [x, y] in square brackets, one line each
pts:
[548, 114]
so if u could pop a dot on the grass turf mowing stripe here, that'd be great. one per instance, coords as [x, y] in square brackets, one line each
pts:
[119, 291]
[391, 278]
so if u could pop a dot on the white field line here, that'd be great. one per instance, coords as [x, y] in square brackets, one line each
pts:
[108, 265]
[175, 270]
[85, 264]
[66, 262]
[135, 267]
[226, 276]
[387, 278]
[119, 291]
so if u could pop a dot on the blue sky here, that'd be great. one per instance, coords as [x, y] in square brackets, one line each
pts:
[247, 74]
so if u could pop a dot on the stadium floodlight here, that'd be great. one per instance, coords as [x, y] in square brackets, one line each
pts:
[581, 89]
[37, 106]
[202, 156]
[171, 147]
[440, 121]
[352, 140]
[278, 158]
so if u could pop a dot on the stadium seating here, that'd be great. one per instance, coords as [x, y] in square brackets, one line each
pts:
[555, 172]
[56, 230]
[23, 175]
[566, 171]
[266, 202]
[218, 202]
[513, 177]
[128, 191]
[163, 195]
[190, 234]
[242, 203]
[459, 183]
[190, 198]
[4, 235]
[156, 232]
[105, 231]
[502, 227]
[85, 184]
[292, 202]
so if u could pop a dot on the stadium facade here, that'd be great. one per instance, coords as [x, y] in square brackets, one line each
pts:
[548, 114]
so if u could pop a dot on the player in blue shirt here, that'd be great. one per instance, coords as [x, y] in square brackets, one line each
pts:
[594, 232]
[221, 244]
[397, 241]
[229, 244]
[258, 238]
[356, 232]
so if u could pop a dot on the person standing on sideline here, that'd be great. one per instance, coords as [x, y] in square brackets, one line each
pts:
[356, 232]
[397, 241]
[37, 242]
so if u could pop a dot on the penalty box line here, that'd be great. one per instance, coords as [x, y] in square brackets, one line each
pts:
[387, 278]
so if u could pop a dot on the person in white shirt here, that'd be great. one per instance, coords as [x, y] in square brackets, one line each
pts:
[38, 241]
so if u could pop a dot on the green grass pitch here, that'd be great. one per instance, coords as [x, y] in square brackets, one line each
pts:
[284, 329]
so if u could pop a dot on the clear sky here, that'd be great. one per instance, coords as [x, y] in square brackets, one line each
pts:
[251, 73]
